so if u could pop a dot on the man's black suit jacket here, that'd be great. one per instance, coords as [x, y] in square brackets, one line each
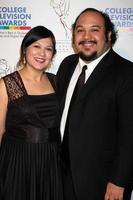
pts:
[100, 125]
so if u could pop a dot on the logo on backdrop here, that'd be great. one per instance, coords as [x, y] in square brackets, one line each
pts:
[14, 18]
[122, 18]
[5, 68]
[61, 8]
[14, 21]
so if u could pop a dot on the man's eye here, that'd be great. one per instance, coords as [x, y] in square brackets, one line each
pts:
[79, 30]
[95, 30]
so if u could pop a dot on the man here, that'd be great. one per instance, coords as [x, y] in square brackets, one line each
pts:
[98, 129]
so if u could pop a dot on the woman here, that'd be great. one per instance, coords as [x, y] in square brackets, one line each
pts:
[30, 145]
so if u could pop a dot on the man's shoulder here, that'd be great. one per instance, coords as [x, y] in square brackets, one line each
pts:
[121, 59]
[122, 66]
[70, 58]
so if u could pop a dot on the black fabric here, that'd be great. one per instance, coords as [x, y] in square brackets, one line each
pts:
[30, 163]
[68, 187]
[79, 85]
[65, 145]
[101, 117]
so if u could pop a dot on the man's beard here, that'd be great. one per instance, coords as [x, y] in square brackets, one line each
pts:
[91, 57]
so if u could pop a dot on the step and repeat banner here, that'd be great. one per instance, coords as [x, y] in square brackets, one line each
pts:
[17, 17]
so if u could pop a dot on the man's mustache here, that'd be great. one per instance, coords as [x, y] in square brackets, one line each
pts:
[87, 42]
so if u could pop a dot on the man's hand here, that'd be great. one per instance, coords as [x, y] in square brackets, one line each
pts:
[114, 192]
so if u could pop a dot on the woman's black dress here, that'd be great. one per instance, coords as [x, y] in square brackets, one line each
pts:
[30, 148]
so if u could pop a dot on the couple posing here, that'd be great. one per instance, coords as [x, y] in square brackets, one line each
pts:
[95, 120]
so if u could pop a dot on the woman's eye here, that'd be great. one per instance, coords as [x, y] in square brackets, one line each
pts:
[36, 46]
[79, 30]
[49, 49]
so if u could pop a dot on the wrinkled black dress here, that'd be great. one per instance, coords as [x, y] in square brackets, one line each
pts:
[30, 149]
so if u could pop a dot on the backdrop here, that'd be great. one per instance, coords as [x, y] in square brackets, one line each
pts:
[17, 17]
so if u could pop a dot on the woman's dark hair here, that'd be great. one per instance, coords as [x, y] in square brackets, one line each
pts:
[109, 26]
[35, 34]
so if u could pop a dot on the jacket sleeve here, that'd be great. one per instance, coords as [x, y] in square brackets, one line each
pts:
[122, 172]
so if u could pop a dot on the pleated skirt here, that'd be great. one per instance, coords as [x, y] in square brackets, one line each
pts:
[30, 171]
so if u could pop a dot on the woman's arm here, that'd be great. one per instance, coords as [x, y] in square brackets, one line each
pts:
[3, 107]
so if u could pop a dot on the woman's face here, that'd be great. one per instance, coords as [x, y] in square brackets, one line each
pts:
[39, 54]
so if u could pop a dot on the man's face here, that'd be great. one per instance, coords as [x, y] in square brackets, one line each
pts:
[89, 38]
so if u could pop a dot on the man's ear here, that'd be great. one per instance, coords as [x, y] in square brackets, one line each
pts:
[109, 36]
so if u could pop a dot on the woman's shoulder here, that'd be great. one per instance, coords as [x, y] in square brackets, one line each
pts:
[51, 76]
[2, 88]
[53, 79]
[1, 83]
